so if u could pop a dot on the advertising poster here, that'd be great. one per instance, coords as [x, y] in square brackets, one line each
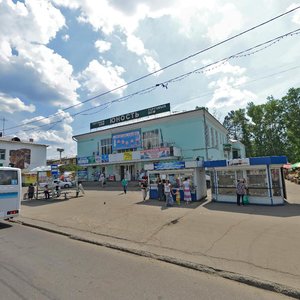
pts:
[81, 161]
[155, 153]
[169, 165]
[126, 140]
[128, 155]
[82, 175]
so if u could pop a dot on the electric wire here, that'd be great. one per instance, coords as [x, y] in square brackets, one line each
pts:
[167, 66]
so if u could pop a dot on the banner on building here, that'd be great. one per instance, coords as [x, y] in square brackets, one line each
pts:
[132, 116]
[126, 140]
[155, 153]
[169, 165]
[128, 155]
[86, 160]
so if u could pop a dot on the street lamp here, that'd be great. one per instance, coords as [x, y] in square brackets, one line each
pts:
[60, 150]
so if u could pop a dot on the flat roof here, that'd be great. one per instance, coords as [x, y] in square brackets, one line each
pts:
[156, 118]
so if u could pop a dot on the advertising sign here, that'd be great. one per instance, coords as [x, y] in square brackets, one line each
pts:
[155, 153]
[169, 165]
[239, 162]
[132, 116]
[126, 140]
[82, 174]
[128, 155]
[81, 161]
[54, 170]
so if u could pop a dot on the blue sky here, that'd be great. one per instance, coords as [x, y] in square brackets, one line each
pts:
[57, 54]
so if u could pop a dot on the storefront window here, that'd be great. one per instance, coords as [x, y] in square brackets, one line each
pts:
[226, 182]
[276, 182]
[257, 182]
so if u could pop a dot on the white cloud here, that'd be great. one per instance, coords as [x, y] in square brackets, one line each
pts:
[296, 14]
[42, 75]
[223, 67]
[228, 96]
[102, 76]
[47, 131]
[65, 37]
[102, 46]
[11, 105]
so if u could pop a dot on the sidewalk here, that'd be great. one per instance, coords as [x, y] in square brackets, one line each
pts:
[253, 242]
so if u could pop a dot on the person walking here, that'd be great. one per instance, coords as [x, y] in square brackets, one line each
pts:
[46, 192]
[187, 191]
[101, 179]
[144, 187]
[168, 193]
[240, 191]
[30, 191]
[124, 184]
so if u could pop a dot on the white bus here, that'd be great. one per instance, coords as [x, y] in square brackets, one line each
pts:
[10, 192]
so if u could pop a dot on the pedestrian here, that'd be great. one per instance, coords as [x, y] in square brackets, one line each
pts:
[124, 185]
[144, 187]
[168, 193]
[160, 190]
[101, 179]
[240, 191]
[187, 197]
[57, 190]
[30, 191]
[80, 187]
[46, 192]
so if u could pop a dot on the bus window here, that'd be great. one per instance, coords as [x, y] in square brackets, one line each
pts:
[8, 177]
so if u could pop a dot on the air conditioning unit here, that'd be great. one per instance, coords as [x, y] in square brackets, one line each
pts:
[31, 140]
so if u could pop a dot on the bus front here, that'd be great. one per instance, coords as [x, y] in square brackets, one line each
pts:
[10, 192]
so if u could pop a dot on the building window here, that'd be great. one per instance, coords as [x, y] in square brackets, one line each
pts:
[2, 154]
[217, 144]
[207, 137]
[106, 146]
[151, 139]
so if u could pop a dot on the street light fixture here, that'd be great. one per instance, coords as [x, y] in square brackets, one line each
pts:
[60, 150]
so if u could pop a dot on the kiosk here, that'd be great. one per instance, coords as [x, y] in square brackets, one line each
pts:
[176, 172]
[263, 176]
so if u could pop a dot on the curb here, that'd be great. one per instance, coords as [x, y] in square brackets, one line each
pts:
[249, 280]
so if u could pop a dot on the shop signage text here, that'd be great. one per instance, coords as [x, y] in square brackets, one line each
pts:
[132, 115]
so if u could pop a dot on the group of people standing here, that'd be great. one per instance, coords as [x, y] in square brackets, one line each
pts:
[166, 191]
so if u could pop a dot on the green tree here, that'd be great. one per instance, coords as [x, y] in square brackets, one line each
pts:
[267, 128]
[238, 127]
[291, 112]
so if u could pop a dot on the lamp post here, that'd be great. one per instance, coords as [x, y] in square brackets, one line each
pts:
[60, 150]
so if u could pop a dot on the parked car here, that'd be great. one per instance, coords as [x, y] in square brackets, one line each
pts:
[60, 183]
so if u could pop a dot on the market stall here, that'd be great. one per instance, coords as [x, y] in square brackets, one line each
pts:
[263, 176]
[176, 172]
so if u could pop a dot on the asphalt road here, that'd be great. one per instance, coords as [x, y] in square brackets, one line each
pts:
[39, 265]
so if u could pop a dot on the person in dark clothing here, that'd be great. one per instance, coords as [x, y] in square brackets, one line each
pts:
[160, 189]
[144, 187]
[240, 191]
[30, 191]
[46, 192]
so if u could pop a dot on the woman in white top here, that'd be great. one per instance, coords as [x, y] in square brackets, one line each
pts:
[168, 193]
[187, 191]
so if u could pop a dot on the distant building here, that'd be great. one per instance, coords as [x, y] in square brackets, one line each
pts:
[121, 150]
[25, 155]
[63, 161]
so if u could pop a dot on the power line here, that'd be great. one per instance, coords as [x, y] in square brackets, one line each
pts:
[244, 53]
[166, 67]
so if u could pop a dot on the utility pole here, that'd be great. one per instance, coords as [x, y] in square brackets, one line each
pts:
[3, 126]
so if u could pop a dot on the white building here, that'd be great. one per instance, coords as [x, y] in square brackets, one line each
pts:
[25, 155]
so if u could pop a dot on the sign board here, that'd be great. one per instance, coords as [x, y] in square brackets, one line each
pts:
[155, 153]
[169, 165]
[54, 170]
[239, 162]
[132, 116]
[126, 140]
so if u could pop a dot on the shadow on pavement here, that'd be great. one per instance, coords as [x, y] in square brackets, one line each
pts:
[40, 202]
[282, 211]
[4, 225]
[162, 204]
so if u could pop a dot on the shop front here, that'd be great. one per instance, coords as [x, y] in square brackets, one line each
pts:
[263, 176]
[176, 172]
